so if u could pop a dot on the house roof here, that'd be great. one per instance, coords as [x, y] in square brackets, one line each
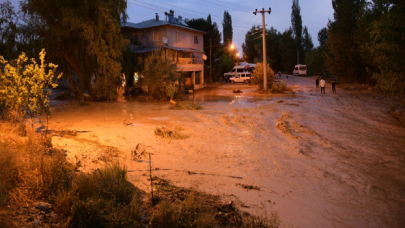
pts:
[155, 23]
[149, 49]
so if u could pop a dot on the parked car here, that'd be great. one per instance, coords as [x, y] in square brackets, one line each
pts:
[244, 77]
[300, 70]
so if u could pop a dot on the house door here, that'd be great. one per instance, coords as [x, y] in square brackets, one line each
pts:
[198, 77]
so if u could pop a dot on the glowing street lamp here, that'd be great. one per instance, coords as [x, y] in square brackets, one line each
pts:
[237, 54]
[232, 47]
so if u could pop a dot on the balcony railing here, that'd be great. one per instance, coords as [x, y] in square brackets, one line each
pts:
[189, 61]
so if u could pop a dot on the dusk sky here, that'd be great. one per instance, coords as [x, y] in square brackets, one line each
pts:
[315, 13]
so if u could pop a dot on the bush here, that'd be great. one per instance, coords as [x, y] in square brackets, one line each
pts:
[160, 74]
[280, 88]
[186, 105]
[23, 85]
[257, 76]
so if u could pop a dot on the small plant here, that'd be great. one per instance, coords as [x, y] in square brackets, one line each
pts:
[186, 105]
[23, 85]
[280, 88]
[164, 132]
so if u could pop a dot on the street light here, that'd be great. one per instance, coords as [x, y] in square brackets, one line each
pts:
[232, 47]
[237, 54]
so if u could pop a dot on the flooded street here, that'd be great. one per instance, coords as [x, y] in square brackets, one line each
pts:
[331, 161]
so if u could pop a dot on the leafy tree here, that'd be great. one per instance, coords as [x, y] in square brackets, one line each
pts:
[258, 76]
[344, 59]
[288, 50]
[83, 36]
[296, 22]
[8, 30]
[315, 60]
[160, 74]
[22, 85]
[307, 43]
[322, 36]
[387, 46]
[253, 45]
[227, 28]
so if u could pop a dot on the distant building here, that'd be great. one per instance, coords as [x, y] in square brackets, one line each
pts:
[182, 44]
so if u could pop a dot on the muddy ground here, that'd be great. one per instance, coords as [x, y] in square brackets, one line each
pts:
[336, 160]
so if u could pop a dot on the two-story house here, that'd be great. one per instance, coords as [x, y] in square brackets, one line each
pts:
[182, 44]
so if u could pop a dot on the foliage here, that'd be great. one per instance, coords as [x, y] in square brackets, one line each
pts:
[160, 74]
[22, 85]
[288, 51]
[83, 37]
[344, 59]
[280, 87]
[322, 36]
[387, 46]
[315, 60]
[296, 23]
[8, 30]
[307, 43]
[227, 28]
[186, 105]
[258, 77]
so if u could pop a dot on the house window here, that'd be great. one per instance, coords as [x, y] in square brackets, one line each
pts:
[178, 37]
[195, 39]
[156, 36]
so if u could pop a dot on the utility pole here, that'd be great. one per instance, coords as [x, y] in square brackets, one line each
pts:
[210, 59]
[264, 46]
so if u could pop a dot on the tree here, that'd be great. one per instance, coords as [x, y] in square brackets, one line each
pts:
[387, 46]
[160, 74]
[307, 43]
[253, 45]
[322, 36]
[83, 37]
[227, 28]
[296, 22]
[344, 59]
[8, 30]
[288, 50]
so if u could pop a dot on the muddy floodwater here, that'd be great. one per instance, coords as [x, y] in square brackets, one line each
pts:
[331, 161]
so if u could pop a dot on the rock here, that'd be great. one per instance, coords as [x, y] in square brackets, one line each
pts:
[43, 206]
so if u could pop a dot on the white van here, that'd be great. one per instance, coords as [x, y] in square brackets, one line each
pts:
[234, 71]
[300, 70]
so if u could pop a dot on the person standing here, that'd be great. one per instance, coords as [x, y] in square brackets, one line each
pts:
[317, 81]
[333, 85]
[322, 83]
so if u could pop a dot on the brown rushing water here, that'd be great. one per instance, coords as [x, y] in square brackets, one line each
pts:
[332, 161]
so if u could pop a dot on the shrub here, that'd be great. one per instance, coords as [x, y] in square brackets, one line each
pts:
[23, 85]
[160, 74]
[280, 88]
[186, 105]
[258, 79]
[104, 198]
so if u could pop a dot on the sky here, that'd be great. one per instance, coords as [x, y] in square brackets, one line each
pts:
[314, 13]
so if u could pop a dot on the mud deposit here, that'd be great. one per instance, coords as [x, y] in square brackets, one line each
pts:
[331, 161]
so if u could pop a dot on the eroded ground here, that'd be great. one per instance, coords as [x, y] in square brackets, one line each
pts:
[331, 161]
